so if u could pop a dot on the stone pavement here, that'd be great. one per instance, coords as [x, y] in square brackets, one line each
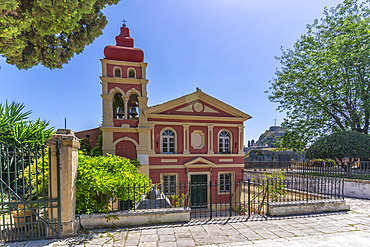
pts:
[328, 229]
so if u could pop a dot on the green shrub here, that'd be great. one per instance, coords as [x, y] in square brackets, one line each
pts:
[100, 182]
[36, 177]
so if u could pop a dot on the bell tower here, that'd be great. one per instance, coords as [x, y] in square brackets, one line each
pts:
[124, 128]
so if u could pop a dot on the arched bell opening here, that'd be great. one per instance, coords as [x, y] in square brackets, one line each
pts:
[118, 106]
[133, 105]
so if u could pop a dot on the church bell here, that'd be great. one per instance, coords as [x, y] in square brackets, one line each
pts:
[121, 112]
[133, 112]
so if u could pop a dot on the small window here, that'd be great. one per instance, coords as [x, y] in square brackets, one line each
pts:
[117, 72]
[224, 143]
[131, 73]
[225, 179]
[169, 184]
[168, 142]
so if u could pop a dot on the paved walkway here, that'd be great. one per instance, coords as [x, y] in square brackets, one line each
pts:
[329, 229]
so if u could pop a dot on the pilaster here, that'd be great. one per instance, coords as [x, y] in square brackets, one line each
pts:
[186, 138]
[108, 145]
[143, 149]
[210, 139]
[107, 109]
[68, 164]
[142, 106]
[241, 140]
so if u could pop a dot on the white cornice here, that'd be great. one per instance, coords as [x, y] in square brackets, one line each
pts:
[123, 80]
[116, 62]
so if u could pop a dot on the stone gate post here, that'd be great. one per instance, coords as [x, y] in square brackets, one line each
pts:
[69, 145]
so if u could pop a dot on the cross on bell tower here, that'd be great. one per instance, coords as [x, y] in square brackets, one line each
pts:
[124, 23]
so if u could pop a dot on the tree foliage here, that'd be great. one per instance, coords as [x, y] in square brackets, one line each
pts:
[323, 84]
[339, 145]
[48, 32]
[101, 181]
[15, 127]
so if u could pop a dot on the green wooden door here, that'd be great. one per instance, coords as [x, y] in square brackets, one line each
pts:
[198, 191]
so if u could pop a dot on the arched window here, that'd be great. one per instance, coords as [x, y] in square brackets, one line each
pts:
[117, 72]
[168, 142]
[118, 106]
[131, 73]
[133, 106]
[224, 142]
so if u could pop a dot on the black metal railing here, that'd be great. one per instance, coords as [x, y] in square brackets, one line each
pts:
[350, 170]
[226, 199]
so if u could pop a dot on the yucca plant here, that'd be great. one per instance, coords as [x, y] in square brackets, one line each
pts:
[21, 139]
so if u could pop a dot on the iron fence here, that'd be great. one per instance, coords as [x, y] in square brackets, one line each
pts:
[28, 209]
[209, 200]
[350, 170]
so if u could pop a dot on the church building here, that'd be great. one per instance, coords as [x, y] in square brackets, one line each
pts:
[194, 138]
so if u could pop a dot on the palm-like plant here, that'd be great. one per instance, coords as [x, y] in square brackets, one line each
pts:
[21, 140]
[15, 127]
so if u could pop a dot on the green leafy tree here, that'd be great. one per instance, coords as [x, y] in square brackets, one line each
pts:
[339, 145]
[101, 181]
[323, 83]
[48, 32]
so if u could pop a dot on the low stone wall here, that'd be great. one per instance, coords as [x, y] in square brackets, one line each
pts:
[357, 188]
[131, 218]
[304, 207]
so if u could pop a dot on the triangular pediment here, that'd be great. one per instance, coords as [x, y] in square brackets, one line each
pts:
[197, 104]
[198, 163]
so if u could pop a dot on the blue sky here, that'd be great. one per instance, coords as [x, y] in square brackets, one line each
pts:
[224, 47]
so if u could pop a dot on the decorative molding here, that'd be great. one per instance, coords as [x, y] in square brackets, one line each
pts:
[125, 138]
[209, 110]
[195, 117]
[229, 125]
[206, 163]
[132, 91]
[182, 167]
[169, 160]
[120, 80]
[187, 108]
[198, 107]
[198, 95]
[117, 89]
[197, 139]
[226, 160]
[116, 62]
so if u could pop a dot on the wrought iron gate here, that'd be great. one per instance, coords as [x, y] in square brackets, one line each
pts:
[29, 209]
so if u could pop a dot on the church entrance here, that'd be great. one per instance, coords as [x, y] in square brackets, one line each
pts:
[198, 191]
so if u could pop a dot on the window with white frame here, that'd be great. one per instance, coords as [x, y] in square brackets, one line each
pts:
[169, 184]
[224, 142]
[131, 73]
[117, 72]
[225, 181]
[168, 142]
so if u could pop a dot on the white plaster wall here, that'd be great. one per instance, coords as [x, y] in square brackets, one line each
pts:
[357, 189]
